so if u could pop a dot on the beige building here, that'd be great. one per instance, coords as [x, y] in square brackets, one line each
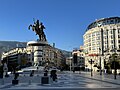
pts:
[15, 57]
[80, 57]
[48, 55]
[45, 54]
[101, 39]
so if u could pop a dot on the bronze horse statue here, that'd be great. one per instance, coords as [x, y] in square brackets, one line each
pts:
[38, 28]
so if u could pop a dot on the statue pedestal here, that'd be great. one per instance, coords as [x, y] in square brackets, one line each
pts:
[15, 82]
[38, 47]
[45, 80]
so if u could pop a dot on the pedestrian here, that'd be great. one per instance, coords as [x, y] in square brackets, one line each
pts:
[73, 71]
[53, 75]
[16, 76]
[32, 72]
[1, 71]
[5, 68]
[46, 72]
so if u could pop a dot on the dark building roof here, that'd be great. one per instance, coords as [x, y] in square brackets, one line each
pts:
[104, 21]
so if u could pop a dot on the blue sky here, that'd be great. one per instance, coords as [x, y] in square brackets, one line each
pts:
[65, 20]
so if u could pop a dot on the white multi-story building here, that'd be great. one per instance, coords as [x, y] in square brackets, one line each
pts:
[102, 37]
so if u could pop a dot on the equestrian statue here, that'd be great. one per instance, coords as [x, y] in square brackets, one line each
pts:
[38, 29]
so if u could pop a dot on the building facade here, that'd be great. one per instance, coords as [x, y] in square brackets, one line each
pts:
[15, 57]
[80, 58]
[48, 55]
[101, 39]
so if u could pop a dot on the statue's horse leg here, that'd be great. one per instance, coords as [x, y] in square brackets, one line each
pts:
[40, 37]
[45, 37]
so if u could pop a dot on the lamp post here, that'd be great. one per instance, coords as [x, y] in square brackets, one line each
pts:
[114, 60]
[91, 62]
[100, 61]
[105, 59]
[115, 70]
[80, 69]
[70, 61]
[70, 64]
[101, 52]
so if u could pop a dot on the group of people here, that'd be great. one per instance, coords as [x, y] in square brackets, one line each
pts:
[53, 74]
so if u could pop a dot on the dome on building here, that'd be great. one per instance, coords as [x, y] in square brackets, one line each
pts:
[104, 21]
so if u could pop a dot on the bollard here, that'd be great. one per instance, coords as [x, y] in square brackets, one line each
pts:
[32, 73]
[15, 81]
[29, 82]
[2, 83]
[6, 75]
[45, 80]
[37, 75]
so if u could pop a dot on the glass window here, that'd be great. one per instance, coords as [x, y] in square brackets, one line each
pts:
[111, 36]
[118, 41]
[118, 30]
[112, 41]
[89, 36]
[98, 38]
[89, 48]
[93, 34]
[111, 21]
[118, 21]
[119, 36]
[105, 37]
[97, 33]
[112, 47]
[105, 42]
[89, 44]
[111, 31]
[119, 46]
[105, 32]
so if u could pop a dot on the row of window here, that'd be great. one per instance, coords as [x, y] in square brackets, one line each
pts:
[105, 33]
[98, 38]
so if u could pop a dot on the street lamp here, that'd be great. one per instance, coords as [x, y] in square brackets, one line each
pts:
[115, 69]
[113, 63]
[101, 49]
[70, 64]
[106, 56]
[80, 69]
[70, 61]
[91, 62]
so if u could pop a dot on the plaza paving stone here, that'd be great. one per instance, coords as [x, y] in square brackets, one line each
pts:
[65, 79]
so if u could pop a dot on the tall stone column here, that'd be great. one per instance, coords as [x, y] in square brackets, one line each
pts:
[38, 55]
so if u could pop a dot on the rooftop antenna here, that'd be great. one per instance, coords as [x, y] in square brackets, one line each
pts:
[17, 45]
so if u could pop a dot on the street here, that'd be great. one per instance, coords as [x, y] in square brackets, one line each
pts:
[66, 80]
